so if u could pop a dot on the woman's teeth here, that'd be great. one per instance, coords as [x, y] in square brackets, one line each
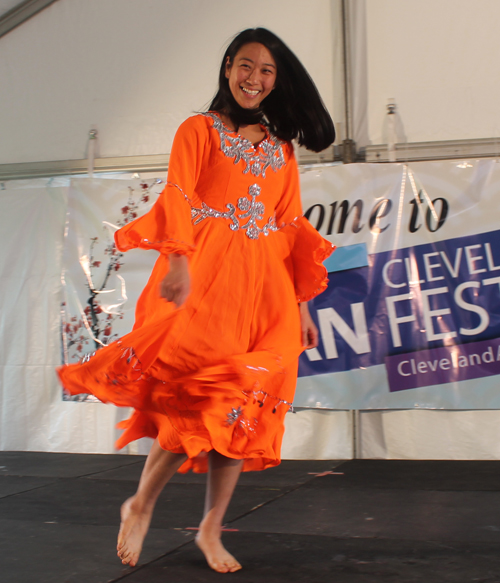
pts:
[249, 91]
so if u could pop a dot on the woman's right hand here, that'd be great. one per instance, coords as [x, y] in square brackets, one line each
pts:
[176, 285]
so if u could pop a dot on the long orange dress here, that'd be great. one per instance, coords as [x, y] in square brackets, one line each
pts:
[219, 372]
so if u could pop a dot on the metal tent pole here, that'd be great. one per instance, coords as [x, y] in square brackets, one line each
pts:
[348, 145]
[20, 13]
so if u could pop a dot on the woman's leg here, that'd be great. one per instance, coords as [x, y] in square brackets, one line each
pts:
[136, 512]
[222, 478]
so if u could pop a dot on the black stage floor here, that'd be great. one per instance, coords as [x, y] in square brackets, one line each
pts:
[360, 521]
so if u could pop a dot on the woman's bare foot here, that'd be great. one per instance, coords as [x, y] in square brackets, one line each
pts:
[133, 528]
[216, 555]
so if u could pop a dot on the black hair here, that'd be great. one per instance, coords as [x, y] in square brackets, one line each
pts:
[294, 109]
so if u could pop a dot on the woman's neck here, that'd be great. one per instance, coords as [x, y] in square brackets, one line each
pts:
[253, 133]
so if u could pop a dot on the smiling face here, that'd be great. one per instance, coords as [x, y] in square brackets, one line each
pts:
[251, 75]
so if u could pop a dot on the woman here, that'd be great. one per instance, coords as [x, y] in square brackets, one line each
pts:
[211, 371]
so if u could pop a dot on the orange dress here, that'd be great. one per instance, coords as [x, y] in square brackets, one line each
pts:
[219, 372]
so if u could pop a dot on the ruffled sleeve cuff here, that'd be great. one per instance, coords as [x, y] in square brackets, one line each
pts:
[308, 253]
[166, 227]
[126, 239]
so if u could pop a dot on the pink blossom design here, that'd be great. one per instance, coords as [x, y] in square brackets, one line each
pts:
[93, 327]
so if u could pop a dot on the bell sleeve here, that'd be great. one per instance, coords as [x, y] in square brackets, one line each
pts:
[308, 249]
[167, 227]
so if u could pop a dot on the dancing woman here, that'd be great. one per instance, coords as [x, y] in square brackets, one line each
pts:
[211, 365]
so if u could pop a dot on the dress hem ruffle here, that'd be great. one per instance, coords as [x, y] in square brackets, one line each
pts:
[217, 407]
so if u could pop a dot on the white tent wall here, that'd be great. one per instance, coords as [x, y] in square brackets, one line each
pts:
[438, 60]
[6, 5]
[431, 435]
[134, 69]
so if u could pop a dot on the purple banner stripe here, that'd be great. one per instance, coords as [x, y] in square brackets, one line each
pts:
[448, 364]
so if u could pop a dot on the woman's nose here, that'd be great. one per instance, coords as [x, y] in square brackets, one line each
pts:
[253, 77]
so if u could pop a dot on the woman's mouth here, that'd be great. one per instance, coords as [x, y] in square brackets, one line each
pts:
[250, 92]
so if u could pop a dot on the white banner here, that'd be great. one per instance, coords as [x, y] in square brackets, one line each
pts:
[411, 317]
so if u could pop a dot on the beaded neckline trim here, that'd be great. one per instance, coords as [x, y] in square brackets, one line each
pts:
[268, 154]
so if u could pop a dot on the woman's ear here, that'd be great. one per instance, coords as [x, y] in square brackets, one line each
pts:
[228, 67]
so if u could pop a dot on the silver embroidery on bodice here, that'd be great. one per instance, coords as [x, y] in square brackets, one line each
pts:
[251, 210]
[269, 154]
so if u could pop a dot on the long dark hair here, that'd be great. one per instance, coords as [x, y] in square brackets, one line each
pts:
[294, 109]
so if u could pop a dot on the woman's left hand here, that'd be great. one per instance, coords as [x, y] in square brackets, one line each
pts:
[308, 327]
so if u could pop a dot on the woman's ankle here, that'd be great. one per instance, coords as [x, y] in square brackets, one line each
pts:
[140, 506]
[210, 528]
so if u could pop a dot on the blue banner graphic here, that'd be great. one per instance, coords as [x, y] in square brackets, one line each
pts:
[407, 300]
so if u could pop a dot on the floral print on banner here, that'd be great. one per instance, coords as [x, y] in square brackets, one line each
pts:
[95, 289]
